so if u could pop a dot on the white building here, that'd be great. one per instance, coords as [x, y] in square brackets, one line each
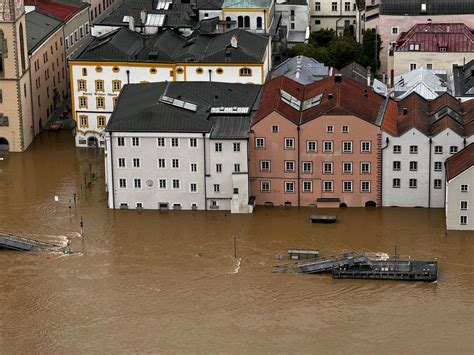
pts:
[295, 17]
[460, 190]
[413, 154]
[99, 71]
[180, 146]
[340, 16]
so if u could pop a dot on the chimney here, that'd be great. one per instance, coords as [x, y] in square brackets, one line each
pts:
[143, 16]
[131, 23]
[234, 41]
[405, 111]
[338, 78]
[368, 76]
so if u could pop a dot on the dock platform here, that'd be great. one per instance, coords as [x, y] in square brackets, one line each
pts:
[299, 254]
[10, 241]
[324, 264]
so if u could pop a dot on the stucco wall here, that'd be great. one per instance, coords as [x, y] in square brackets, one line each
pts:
[454, 197]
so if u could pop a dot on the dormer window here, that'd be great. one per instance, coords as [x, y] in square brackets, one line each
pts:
[414, 47]
[443, 49]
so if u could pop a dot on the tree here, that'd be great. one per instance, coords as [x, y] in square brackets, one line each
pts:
[343, 50]
[321, 38]
[367, 53]
[308, 50]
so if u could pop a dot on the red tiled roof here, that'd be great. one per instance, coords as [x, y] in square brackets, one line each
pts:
[430, 37]
[347, 97]
[460, 162]
[60, 11]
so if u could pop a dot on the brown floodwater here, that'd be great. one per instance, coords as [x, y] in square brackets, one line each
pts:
[167, 282]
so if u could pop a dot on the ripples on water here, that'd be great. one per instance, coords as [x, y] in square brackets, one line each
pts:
[168, 282]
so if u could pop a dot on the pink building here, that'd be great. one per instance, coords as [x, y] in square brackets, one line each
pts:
[318, 144]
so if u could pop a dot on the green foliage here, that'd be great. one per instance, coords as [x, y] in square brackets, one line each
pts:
[321, 38]
[308, 50]
[367, 54]
[343, 50]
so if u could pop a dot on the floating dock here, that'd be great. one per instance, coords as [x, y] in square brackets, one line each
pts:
[14, 242]
[324, 264]
[319, 218]
[299, 254]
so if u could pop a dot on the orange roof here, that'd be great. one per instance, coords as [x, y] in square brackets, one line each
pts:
[460, 162]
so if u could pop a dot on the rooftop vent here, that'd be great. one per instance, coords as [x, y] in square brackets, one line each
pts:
[330, 96]
[405, 111]
[338, 78]
[234, 41]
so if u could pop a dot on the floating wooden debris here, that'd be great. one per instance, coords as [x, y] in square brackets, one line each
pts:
[320, 218]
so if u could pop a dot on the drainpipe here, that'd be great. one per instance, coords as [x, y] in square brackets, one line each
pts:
[387, 141]
[429, 176]
[210, 75]
[128, 76]
[340, 16]
[298, 166]
[112, 170]
[205, 175]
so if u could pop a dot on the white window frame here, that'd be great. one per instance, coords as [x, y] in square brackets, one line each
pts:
[329, 182]
[328, 163]
[362, 150]
[288, 146]
[351, 183]
[362, 186]
[327, 150]
[265, 182]
[269, 165]
[288, 184]
[259, 140]
[362, 172]
[344, 150]
[308, 150]
[292, 169]
[310, 186]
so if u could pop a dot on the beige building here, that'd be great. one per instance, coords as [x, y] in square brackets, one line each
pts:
[47, 58]
[460, 190]
[16, 126]
[337, 15]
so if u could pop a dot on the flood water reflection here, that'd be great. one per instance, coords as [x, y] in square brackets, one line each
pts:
[168, 281]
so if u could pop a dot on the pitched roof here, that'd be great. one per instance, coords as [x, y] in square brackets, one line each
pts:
[246, 4]
[424, 81]
[221, 109]
[303, 103]
[39, 27]
[169, 47]
[355, 71]
[60, 9]
[433, 7]
[463, 79]
[430, 37]
[302, 69]
[459, 162]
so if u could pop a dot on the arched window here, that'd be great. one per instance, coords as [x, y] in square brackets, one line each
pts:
[259, 22]
[228, 19]
[247, 21]
[22, 49]
[240, 22]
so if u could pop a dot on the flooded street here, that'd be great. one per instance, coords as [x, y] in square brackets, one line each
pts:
[168, 282]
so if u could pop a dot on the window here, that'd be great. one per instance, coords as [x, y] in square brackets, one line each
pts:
[139, 205]
[395, 30]
[137, 183]
[289, 187]
[412, 66]
[153, 71]
[218, 147]
[135, 141]
[334, 6]
[438, 149]
[347, 147]
[218, 168]
[345, 129]
[100, 102]
[121, 162]
[265, 186]
[329, 129]
[453, 149]
[464, 188]
[311, 146]
[259, 143]
[397, 165]
[347, 6]
[100, 121]
[162, 183]
[327, 186]
[327, 146]
[236, 147]
[437, 183]
[247, 21]
[307, 167]
[412, 183]
[194, 167]
[365, 186]
[429, 66]
[365, 147]
[176, 184]
[121, 141]
[175, 163]
[175, 142]
[442, 49]
[193, 142]
[217, 188]
[245, 72]
[193, 187]
[397, 149]
[413, 166]
[81, 85]
[116, 85]
[83, 102]
[317, 22]
[464, 205]
[136, 162]
[98, 69]
[289, 143]
[347, 168]
[264, 165]
[463, 220]
[199, 71]
[259, 22]
[413, 149]
[236, 168]
[438, 166]
[396, 183]
[307, 186]
[83, 121]
[347, 186]
[160, 141]
[365, 168]
[317, 6]
[122, 183]
[161, 163]
[289, 166]
[219, 71]
[275, 129]
[327, 168]
[99, 85]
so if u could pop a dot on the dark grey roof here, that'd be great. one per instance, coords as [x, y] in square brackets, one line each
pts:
[355, 71]
[310, 70]
[209, 4]
[207, 26]
[39, 27]
[76, 3]
[293, 2]
[463, 79]
[433, 7]
[142, 108]
[169, 47]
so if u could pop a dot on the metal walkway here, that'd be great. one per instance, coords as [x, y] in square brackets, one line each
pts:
[14, 242]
